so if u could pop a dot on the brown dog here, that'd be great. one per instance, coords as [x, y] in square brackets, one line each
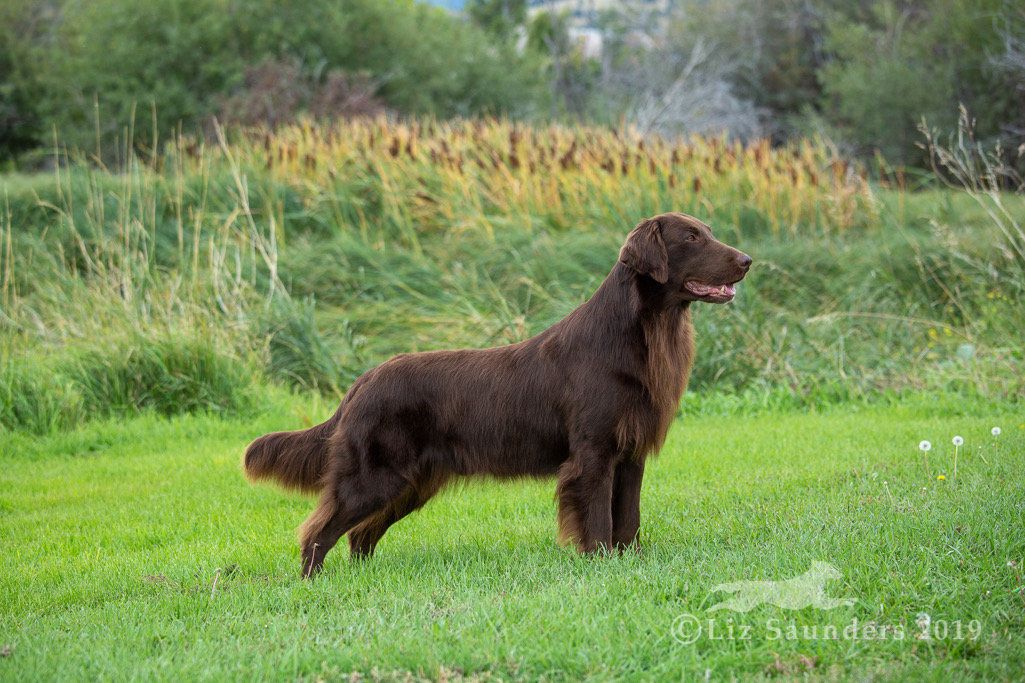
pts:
[586, 400]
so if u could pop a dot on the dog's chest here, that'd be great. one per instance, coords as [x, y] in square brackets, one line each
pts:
[669, 353]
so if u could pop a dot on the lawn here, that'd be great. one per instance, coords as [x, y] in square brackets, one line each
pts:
[136, 549]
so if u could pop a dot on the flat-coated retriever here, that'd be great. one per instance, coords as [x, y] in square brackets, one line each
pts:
[587, 400]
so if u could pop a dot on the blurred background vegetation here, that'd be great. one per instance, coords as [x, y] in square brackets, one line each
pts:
[201, 200]
[862, 72]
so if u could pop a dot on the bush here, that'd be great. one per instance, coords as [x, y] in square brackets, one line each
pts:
[143, 68]
[276, 92]
[297, 351]
[894, 68]
[36, 399]
[20, 125]
[169, 376]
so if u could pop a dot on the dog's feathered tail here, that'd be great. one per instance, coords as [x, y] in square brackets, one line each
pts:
[297, 460]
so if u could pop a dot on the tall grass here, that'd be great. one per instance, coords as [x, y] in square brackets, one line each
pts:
[307, 255]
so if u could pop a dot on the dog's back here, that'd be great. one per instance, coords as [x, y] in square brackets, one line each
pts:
[487, 411]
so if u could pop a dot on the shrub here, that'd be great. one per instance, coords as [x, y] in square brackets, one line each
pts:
[299, 354]
[167, 375]
[123, 67]
[35, 398]
[278, 92]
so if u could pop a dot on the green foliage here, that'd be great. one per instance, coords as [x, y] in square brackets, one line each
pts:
[20, 124]
[300, 355]
[114, 68]
[429, 62]
[35, 398]
[862, 72]
[774, 45]
[169, 376]
[867, 72]
[572, 75]
[913, 60]
[500, 17]
[120, 64]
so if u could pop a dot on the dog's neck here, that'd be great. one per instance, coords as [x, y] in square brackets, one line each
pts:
[669, 342]
[635, 309]
[628, 301]
[631, 318]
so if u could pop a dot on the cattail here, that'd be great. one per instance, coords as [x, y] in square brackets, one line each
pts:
[566, 160]
[697, 184]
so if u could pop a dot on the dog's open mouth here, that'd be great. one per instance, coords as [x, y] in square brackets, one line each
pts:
[718, 294]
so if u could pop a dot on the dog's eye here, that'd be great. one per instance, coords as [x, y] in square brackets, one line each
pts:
[691, 237]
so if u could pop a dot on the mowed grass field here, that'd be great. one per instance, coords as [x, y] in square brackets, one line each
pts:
[157, 316]
[137, 550]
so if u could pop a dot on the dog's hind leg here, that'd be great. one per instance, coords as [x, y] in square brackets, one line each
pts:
[363, 539]
[626, 502]
[347, 501]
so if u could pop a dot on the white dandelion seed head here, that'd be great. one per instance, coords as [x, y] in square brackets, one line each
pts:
[995, 431]
[957, 440]
[924, 446]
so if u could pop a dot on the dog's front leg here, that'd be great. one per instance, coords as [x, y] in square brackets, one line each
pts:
[626, 502]
[585, 499]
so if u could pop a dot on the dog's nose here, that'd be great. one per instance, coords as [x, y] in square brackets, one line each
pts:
[744, 261]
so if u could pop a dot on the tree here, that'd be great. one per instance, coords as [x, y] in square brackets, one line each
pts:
[20, 123]
[176, 62]
[912, 60]
[500, 17]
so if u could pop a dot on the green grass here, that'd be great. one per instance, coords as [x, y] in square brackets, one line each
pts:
[136, 549]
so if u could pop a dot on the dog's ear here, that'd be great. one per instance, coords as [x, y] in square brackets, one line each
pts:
[645, 251]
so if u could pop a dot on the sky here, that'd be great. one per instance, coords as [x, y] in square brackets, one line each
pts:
[450, 4]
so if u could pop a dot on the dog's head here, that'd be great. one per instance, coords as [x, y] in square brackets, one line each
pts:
[679, 253]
